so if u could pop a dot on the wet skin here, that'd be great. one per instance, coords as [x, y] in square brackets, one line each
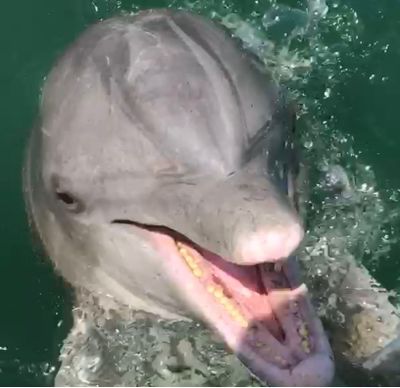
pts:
[162, 174]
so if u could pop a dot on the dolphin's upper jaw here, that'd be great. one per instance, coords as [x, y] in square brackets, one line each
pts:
[263, 316]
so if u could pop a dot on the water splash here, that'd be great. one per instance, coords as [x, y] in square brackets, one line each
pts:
[305, 49]
[345, 199]
[350, 221]
[147, 351]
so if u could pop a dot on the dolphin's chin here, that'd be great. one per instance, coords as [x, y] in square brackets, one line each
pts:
[261, 311]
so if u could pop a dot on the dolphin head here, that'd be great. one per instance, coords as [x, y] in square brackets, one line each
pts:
[161, 173]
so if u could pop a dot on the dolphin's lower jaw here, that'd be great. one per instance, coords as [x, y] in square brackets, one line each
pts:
[261, 311]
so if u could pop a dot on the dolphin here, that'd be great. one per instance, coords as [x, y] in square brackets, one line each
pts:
[161, 176]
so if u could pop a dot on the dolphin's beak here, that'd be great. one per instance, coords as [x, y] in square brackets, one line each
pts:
[222, 255]
[261, 311]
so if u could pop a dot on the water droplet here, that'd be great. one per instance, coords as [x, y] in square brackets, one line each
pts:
[308, 144]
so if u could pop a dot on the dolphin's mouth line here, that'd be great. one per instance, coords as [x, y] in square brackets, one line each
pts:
[258, 309]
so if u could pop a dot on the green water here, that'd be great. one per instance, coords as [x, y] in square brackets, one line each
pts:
[362, 105]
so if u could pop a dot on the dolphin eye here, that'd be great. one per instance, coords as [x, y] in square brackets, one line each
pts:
[66, 199]
[69, 201]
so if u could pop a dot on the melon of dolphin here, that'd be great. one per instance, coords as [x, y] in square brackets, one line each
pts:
[162, 174]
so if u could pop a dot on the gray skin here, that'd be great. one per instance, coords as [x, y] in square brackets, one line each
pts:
[159, 120]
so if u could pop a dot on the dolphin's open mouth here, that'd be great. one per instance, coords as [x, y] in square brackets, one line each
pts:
[261, 311]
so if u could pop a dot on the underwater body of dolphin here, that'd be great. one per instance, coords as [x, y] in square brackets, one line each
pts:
[162, 175]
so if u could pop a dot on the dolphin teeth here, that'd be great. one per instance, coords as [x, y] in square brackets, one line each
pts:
[218, 292]
[304, 335]
[190, 260]
[306, 346]
[303, 331]
[191, 263]
[214, 289]
[225, 301]
[198, 273]
[242, 321]
[301, 290]
[278, 266]
[210, 288]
